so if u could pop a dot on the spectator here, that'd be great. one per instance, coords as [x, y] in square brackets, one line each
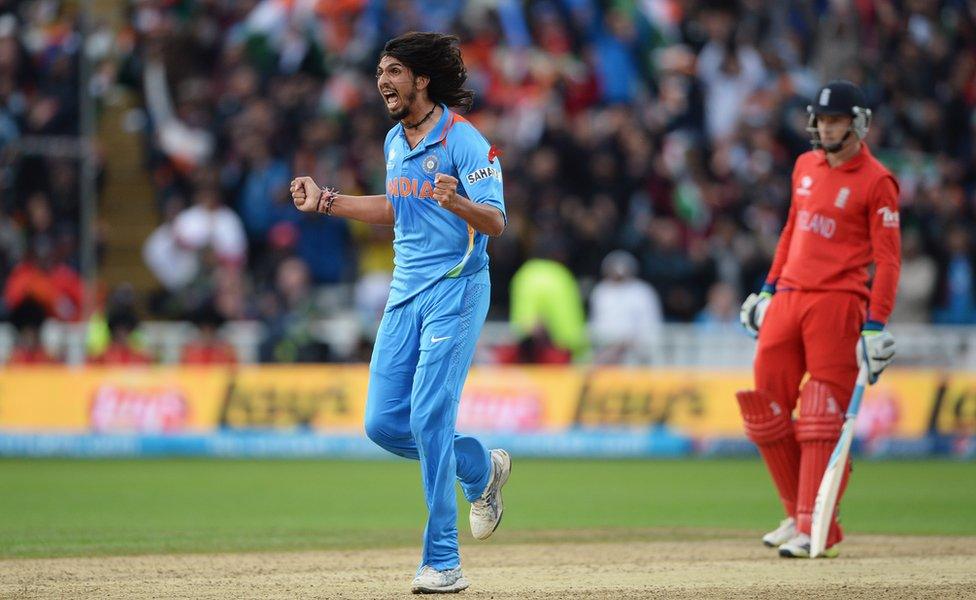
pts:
[173, 265]
[536, 348]
[731, 71]
[625, 312]
[55, 286]
[208, 348]
[289, 313]
[681, 274]
[11, 245]
[121, 351]
[208, 225]
[545, 294]
[956, 304]
[722, 308]
[263, 200]
[324, 244]
[28, 318]
[916, 284]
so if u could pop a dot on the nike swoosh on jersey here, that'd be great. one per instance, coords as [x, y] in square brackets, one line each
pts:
[434, 340]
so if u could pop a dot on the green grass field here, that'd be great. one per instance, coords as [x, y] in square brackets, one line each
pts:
[79, 508]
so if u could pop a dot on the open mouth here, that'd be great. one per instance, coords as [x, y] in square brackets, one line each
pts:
[392, 99]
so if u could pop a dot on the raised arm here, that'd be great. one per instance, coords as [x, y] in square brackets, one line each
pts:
[482, 217]
[309, 197]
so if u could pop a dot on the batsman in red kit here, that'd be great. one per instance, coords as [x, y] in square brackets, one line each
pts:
[816, 313]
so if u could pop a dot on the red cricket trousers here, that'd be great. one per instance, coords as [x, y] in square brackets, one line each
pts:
[816, 333]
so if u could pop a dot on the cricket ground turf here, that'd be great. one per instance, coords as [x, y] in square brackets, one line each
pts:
[187, 528]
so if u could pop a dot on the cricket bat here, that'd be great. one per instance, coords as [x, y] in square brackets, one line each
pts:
[823, 507]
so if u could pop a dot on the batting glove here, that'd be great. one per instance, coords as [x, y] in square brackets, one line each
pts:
[754, 310]
[876, 349]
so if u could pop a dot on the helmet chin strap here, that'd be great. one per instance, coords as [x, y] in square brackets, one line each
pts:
[835, 148]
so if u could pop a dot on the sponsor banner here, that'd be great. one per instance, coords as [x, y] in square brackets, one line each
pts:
[519, 400]
[171, 400]
[146, 400]
[696, 403]
[553, 410]
[325, 398]
[904, 404]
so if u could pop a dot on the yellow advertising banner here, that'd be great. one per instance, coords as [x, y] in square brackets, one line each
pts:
[327, 398]
[331, 398]
[131, 399]
[904, 403]
[519, 399]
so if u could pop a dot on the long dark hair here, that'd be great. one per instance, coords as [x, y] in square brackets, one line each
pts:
[437, 56]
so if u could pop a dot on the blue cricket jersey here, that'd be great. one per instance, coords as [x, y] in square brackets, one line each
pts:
[430, 242]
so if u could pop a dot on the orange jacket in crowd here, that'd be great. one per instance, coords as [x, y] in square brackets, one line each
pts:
[58, 290]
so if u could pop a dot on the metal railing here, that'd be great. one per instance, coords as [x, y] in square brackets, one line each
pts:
[677, 345]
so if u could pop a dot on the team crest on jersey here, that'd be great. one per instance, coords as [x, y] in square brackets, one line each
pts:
[841, 200]
[429, 164]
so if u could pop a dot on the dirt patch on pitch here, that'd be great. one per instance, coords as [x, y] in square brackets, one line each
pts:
[707, 567]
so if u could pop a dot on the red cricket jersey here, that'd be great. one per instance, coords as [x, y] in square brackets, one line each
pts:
[841, 220]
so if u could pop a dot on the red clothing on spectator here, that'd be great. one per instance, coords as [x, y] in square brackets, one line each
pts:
[542, 355]
[215, 353]
[121, 354]
[58, 290]
[31, 356]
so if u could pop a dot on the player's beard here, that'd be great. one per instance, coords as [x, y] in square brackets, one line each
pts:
[405, 106]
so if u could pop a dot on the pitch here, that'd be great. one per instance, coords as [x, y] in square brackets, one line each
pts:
[591, 529]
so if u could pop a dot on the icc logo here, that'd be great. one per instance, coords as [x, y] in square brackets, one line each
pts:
[429, 164]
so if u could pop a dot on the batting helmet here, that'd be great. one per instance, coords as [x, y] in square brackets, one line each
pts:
[839, 98]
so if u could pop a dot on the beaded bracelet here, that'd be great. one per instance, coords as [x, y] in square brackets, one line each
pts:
[328, 196]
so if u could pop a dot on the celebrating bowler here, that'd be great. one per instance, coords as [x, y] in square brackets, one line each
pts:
[443, 199]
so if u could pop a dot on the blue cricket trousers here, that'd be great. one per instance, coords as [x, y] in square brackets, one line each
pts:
[421, 358]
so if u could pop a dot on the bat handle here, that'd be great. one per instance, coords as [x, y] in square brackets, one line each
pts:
[861, 383]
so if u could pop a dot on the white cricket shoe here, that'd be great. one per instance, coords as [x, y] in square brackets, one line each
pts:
[486, 511]
[782, 534]
[799, 547]
[432, 581]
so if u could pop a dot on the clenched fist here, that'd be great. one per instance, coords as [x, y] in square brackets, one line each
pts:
[445, 190]
[305, 194]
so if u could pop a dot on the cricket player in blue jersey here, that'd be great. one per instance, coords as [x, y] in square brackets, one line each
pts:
[444, 199]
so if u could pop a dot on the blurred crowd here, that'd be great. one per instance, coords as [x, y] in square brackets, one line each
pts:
[647, 148]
